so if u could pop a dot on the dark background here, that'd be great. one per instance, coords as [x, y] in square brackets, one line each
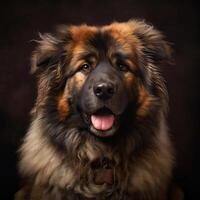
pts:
[20, 22]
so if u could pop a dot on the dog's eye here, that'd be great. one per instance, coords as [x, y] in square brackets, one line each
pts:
[85, 67]
[123, 67]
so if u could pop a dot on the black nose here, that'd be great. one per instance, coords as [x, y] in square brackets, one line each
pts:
[104, 90]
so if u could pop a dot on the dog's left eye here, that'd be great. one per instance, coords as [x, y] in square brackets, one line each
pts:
[123, 67]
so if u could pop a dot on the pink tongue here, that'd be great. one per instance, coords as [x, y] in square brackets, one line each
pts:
[103, 122]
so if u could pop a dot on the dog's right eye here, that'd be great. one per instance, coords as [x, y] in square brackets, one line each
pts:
[85, 67]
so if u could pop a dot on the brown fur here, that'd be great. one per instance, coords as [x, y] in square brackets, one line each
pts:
[142, 166]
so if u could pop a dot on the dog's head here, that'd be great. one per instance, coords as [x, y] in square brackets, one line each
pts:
[103, 76]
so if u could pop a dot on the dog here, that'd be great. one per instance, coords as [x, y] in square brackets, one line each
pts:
[99, 127]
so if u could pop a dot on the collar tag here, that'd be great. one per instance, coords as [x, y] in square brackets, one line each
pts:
[102, 176]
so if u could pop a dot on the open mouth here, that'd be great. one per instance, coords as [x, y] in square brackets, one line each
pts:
[103, 119]
[103, 122]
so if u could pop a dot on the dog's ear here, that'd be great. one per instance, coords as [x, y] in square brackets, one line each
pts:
[155, 47]
[47, 54]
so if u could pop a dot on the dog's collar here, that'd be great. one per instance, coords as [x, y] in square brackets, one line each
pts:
[104, 171]
[102, 176]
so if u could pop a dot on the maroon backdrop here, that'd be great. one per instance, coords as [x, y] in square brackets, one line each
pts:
[21, 22]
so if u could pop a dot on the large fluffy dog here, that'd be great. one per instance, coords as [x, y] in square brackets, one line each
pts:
[98, 128]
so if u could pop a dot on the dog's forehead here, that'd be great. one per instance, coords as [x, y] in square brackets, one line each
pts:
[112, 37]
[82, 32]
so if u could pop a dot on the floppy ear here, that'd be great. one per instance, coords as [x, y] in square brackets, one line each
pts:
[154, 45]
[47, 54]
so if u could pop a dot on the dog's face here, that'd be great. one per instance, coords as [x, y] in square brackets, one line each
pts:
[108, 81]
[101, 75]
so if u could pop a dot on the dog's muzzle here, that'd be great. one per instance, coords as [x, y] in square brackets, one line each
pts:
[103, 99]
